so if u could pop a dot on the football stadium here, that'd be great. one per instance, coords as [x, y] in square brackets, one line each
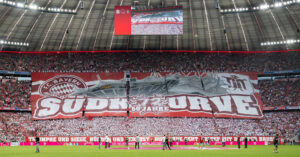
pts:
[144, 78]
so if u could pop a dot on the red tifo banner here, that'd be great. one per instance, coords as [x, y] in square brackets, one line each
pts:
[67, 95]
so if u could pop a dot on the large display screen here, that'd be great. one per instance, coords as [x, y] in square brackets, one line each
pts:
[160, 21]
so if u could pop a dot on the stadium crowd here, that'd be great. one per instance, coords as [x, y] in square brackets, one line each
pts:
[274, 93]
[281, 92]
[16, 126]
[15, 93]
[149, 62]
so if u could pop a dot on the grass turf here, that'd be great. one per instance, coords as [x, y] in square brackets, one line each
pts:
[93, 151]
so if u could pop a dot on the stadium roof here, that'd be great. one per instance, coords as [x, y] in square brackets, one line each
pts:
[205, 28]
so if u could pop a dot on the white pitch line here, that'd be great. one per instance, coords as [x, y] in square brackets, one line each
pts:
[86, 19]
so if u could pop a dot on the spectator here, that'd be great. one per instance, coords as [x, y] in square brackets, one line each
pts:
[16, 126]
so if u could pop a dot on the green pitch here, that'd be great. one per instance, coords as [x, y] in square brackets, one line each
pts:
[93, 151]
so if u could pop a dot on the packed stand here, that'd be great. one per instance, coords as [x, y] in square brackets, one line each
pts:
[15, 93]
[283, 92]
[16, 126]
[266, 62]
[149, 62]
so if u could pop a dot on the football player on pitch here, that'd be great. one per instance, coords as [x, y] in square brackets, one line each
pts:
[37, 143]
[276, 142]
[126, 141]
[137, 142]
[99, 142]
[106, 141]
[164, 142]
[167, 144]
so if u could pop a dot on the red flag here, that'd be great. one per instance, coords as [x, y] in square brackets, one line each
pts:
[122, 20]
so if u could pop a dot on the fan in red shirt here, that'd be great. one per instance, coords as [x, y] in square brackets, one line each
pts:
[201, 142]
[239, 142]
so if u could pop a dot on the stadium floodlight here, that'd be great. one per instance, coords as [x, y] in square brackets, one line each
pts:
[260, 7]
[60, 10]
[278, 4]
[13, 43]
[20, 5]
[264, 6]
[33, 7]
[289, 41]
[36, 7]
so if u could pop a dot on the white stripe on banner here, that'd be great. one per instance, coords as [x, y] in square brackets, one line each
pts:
[37, 82]
[256, 90]
[87, 83]
[92, 82]
[35, 93]
[254, 81]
